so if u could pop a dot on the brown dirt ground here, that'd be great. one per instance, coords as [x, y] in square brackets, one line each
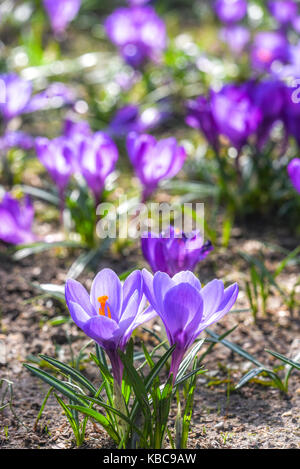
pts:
[254, 417]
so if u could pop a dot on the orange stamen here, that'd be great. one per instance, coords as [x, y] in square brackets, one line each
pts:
[102, 300]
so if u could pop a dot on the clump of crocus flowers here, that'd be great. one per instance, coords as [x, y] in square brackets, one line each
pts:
[111, 312]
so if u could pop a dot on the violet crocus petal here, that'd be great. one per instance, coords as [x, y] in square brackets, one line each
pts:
[78, 314]
[294, 173]
[17, 95]
[267, 47]
[212, 295]
[229, 299]
[182, 308]
[61, 13]
[76, 293]
[104, 331]
[161, 285]
[16, 220]
[187, 277]
[132, 284]
[107, 283]
[148, 288]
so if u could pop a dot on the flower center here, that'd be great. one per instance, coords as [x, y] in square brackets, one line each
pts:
[102, 300]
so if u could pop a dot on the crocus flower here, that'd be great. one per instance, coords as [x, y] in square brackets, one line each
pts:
[154, 160]
[12, 139]
[138, 32]
[16, 220]
[61, 13]
[98, 157]
[130, 119]
[236, 36]
[235, 114]
[172, 252]
[17, 95]
[268, 47]
[19, 98]
[59, 158]
[231, 11]
[294, 173]
[199, 116]
[110, 313]
[269, 97]
[284, 11]
[185, 308]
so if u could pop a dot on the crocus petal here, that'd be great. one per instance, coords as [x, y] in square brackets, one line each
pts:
[187, 277]
[148, 288]
[212, 295]
[76, 293]
[229, 298]
[161, 284]
[132, 284]
[78, 314]
[107, 283]
[104, 331]
[183, 305]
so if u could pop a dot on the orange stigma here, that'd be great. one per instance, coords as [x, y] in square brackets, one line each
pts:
[102, 300]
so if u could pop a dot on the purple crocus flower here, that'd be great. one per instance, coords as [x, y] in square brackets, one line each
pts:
[268, 47]
[59, 158]
[12, 139]
[283, 10]
[17, 95]
[61, 13]
[269, 97]
[97, 159]
[294, 173]
[235, 101]
[231, 11]
[138, 32]
[236, 36]
[19, 98]
[172, 252]
[200, 117]
[16, 220]
[130, 119]
[185, 308]
[110, 313]
[154, 160]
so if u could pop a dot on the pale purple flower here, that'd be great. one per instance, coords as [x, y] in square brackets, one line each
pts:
[16, 217]
[59, 158]
[200, 117]
[294, 173]
[19, 98]
[17, 95]
[268, 47]
[97, 159]
[236, 36]
[138, 32]
[130, 119]
[235, 114]
[283, 10]
[173, 251]
[61, 13]
[185, 308]
[18, 139]
[231, 11]
[110, 313]
[154, 160]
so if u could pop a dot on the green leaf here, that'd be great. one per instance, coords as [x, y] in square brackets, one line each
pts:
[286, 360]
[99, 418]
[55, 383]
[250, 375]
[26, 250]
[76, 375]
[189, 358]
